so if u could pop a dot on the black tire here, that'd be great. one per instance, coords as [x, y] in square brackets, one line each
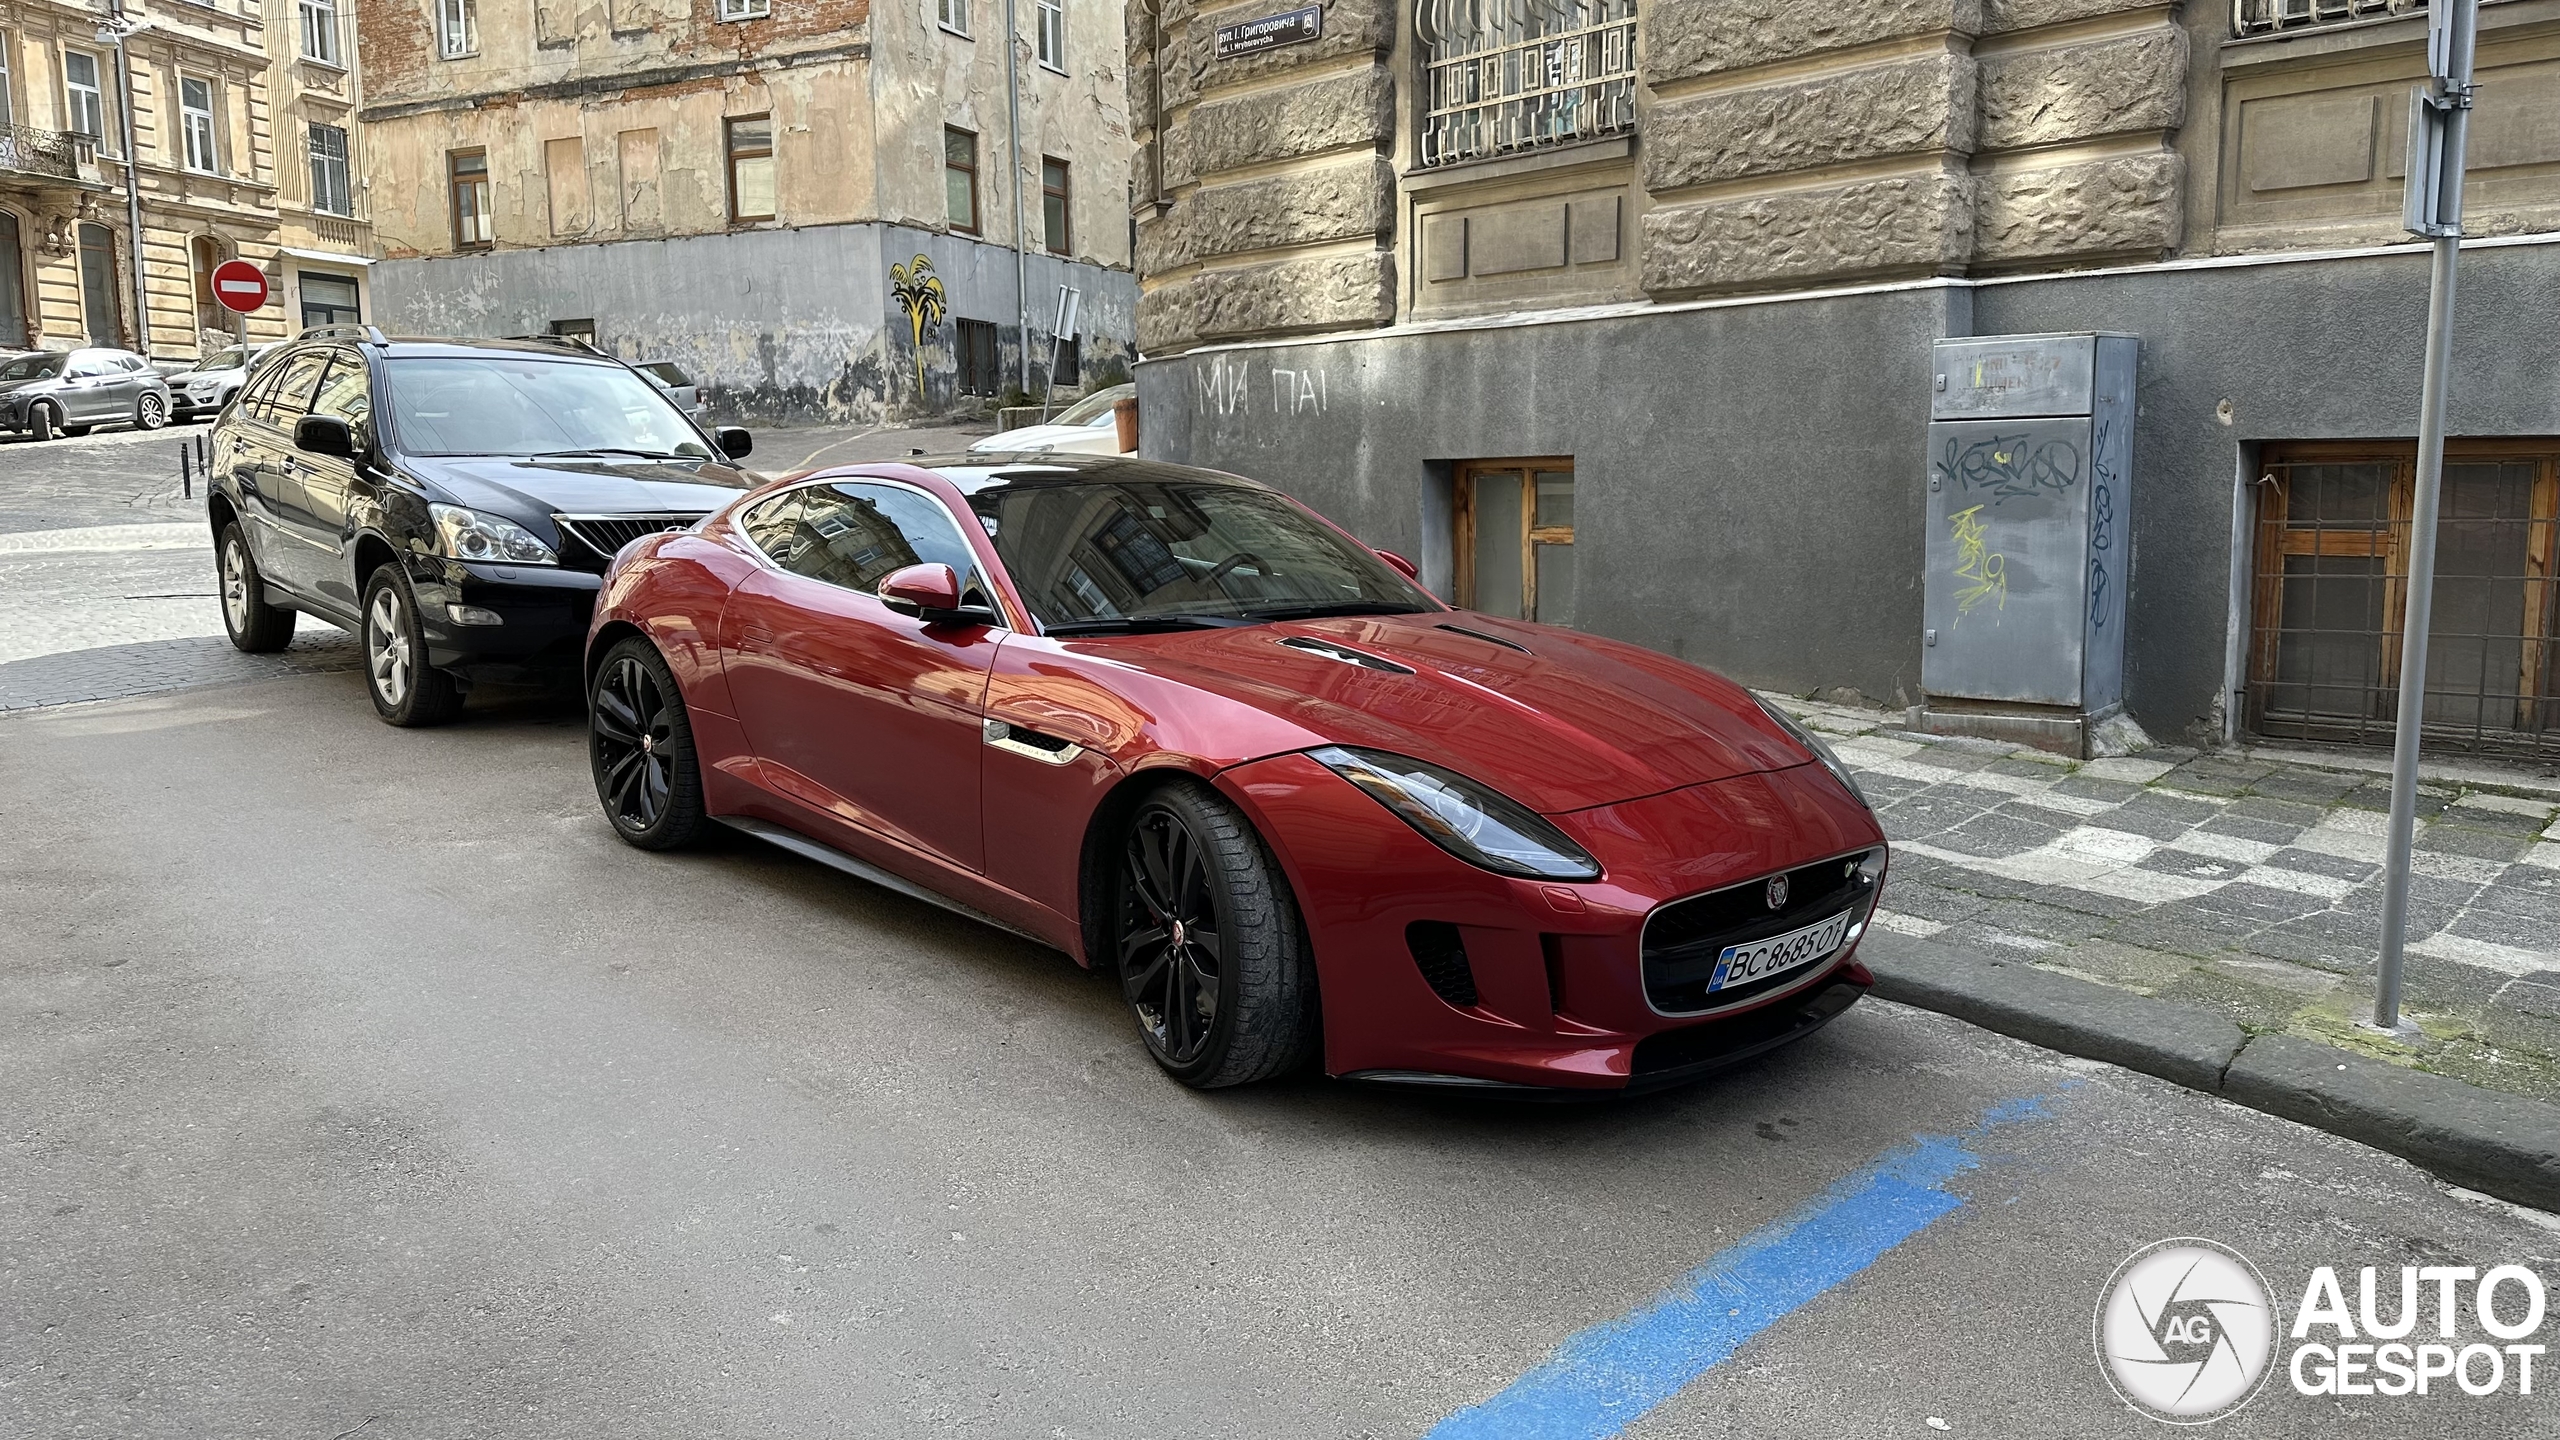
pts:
[406, 690]
[150, 412]
[1187, 857]
[640, 747]
[254, 625]
[44, 422]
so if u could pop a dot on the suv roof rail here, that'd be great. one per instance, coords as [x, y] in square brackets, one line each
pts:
[369, 333]
[565, 342]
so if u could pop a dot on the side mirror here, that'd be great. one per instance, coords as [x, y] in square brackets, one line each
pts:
[324, 435]
[1410, 570]
[931, 593]
[734, 441]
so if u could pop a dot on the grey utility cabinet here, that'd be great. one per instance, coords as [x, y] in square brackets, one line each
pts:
[2030, 475]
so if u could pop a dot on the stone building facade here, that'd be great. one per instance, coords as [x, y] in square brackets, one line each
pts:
[245, 148]
[807, 205]
[1651, 287]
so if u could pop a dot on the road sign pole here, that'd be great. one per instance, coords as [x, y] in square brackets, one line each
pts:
[2439, 129]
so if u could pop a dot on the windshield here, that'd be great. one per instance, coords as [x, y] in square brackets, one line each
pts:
[519, 405]
[221, 360]
[1134, 551]
[1094, 409]
[32, 367]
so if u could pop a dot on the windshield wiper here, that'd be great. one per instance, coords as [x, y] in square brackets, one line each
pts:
[614, 450]
[1341, 607]
[1142, 624]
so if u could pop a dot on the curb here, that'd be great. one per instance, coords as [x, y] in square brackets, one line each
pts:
[2502, 1145]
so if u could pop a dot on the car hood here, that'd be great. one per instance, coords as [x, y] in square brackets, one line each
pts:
[538, 489]
[36, 383]
[1563, 722]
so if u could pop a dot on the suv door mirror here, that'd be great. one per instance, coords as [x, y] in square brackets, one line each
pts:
[734, 441]
[324, 435]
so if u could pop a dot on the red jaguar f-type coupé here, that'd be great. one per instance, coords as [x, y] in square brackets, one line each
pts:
[1175, 724]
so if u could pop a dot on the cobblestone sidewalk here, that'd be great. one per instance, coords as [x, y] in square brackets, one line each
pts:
[2246, 883]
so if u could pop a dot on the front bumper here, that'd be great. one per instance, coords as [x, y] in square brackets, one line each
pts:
[1557, 970]
[541, 614]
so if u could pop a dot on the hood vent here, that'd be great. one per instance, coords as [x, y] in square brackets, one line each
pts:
[1488, 639]
[1345, 654]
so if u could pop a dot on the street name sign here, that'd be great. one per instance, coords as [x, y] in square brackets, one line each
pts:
[1252, 37]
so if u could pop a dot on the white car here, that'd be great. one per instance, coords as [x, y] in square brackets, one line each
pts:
[1086, 428]
[206, 388]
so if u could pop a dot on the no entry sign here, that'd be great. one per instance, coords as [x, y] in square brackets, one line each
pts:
[239, 286]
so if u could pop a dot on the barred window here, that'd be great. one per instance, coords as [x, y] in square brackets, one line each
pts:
[2260, 17]
[332, 193]
[1503, 76]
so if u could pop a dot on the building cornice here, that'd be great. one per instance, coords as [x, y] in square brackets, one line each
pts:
[578, 87]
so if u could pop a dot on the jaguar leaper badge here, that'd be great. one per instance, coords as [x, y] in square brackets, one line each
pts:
[1777, 892]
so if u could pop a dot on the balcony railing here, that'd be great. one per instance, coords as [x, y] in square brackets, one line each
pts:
[2266, 17]
[29, 151]
[1504, 76]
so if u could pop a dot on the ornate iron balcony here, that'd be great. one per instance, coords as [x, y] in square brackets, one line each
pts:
[29, 151]
[1504, 76]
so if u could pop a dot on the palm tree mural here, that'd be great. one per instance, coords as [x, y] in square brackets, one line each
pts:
[918, 291]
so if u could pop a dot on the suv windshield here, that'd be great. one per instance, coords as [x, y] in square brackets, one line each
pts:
[1097, 555]
[220, 360]
[520, 405]
[1094, 408]
[32, 367]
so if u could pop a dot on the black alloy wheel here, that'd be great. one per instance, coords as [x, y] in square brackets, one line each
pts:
[640, 745]
[1211, 955]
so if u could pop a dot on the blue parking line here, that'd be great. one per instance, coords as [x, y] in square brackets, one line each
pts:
[1605, 1378]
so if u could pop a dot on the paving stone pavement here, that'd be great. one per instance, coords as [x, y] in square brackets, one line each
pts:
[2240, 881]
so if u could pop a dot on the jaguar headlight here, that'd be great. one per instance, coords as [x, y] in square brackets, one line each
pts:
[470, 535]
[1830, 759]
[1480, 826]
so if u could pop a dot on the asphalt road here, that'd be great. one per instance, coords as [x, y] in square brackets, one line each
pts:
[358, 1078]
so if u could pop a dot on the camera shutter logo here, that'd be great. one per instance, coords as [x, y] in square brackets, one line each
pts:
[2186, 1331]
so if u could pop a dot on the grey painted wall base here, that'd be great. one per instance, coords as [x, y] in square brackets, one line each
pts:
[778, 325]
[1749, 492]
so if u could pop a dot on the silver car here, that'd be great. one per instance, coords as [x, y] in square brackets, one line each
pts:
[68, 392]
[202, 390]
[670, 377]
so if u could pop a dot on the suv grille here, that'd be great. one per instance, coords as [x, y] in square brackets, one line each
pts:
[1683, 939]
[600, 537]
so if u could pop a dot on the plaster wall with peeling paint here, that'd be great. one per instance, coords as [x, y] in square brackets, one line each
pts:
[613, 202]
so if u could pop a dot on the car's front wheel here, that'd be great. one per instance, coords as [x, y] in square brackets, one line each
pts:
[254, 625]
[640, 745]
[1210, 950]
[406, 690]
[150, 412]
[45, 421]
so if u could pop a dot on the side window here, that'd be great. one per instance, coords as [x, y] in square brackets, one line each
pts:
[856, 535]
[291, 399]
[258, 395]
[771, 525]
[347, 393]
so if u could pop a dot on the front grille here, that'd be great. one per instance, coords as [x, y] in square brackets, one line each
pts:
[595, 539]
[1440, 953]
[1683, 939]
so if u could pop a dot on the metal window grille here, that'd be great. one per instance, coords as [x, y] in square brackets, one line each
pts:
[1503, 76]
[2331, 589]
[332, 189]
[2262, 17]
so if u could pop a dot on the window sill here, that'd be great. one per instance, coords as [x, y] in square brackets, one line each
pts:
[947, 30]
[1498, 167]
[334, 67]
[1057, 70]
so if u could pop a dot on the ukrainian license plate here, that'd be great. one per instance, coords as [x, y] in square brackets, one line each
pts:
[1760, 959]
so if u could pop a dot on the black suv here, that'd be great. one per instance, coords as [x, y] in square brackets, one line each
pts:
[451, 502]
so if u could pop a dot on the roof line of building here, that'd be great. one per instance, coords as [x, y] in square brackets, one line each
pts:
[1626, 309]
[583, 86]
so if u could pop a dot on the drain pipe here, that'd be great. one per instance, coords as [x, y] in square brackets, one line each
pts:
[117, 27]
[1013, 145]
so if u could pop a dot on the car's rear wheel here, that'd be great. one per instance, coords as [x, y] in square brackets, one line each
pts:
[45, 421]
[406, 690]
[150, 412]
[254, 625]
[640, 745]
[1209, 947]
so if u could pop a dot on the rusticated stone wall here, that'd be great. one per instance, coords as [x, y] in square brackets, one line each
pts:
[1277, 193]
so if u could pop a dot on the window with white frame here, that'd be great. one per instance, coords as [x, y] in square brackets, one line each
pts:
[457, 28]
[8, 102]
[745, 9]
[85, 106]
[320, 32]
[954, 15]
[332, 189]
[195, 124]
[1053, 34]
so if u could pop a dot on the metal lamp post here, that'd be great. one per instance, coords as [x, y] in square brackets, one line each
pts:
[115, 29]
[2439, 126]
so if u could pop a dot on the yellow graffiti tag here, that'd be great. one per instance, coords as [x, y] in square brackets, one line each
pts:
[1985, 573]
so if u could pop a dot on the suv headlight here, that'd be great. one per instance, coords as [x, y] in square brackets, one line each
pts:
[1830, 759]
[469, 535]
[1479, 826]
